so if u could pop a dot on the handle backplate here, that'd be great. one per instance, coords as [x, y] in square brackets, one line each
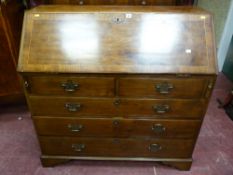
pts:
[158, 128]
[78, 147]
[164, 88]
[75, 127]
[70, 86]
[161, 109]
[155, 147]
[73, 107]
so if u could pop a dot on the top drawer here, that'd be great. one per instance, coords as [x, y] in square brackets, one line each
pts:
[71, 85]
[163, 87]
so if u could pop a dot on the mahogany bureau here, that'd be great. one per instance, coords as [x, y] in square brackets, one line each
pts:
[117, 83]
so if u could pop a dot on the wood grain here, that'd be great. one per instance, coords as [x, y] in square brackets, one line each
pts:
[86, 86]
[116, 147]
[152, 40]
[42, 105]
[115, 127]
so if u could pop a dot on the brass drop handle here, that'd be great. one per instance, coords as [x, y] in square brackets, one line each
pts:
[75, 127]
[143, 2]
[158, 128]
[161, 109]
[155, 147]
[78, 147]
[70, 86]
[164, 88]
[73, 107]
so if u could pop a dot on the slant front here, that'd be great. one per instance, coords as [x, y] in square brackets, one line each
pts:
[113, 42]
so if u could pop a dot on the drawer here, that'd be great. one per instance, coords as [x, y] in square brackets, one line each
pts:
[107, 106]
[162, 108]
[116, 127]
[91, 2]
[108, 2]
[154, 2]
[161, 148]
[162, 87]
[72, 86]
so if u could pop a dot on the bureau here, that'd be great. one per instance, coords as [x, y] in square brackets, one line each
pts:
[117, 83]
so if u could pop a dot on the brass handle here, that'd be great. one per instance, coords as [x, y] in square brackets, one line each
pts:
[164, 88]
[143, 2]
[70, 86]
[75, 127]
[155, 147]
[72, 107]
[161, 109]
[158, 128]
[78, 147]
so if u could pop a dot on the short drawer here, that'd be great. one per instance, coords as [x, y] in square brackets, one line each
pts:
[161, 148]
[41, 106]
[116, 127]
[71, 86]
[162, 87]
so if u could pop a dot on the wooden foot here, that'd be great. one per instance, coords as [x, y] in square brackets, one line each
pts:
[49, 162]
[181, 165]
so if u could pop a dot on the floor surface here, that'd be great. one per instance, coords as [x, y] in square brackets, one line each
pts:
[213, 154]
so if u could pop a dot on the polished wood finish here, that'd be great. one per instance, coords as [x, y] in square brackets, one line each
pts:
[118, 83]
[146, 87]
[116, 127]
[116, 147]
[41, 105]
[11, 15]
[53, 85]
[159, 42]
[113, 2]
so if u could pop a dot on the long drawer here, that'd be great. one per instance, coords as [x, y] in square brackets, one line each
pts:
[41, 105]
[115, 2]
[163, 87]
[161, 148]
[71, 86]
[116, 127]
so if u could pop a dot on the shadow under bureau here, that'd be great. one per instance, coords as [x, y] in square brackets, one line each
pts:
[117, 83]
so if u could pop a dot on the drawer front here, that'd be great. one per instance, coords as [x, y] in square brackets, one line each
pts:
[154, 2]
[109, 2]
[162, 88]
[72, 86]
[91, 2]
[107, 106]
[162, 108]
[71, 106]
[161, 148]
[117, 127]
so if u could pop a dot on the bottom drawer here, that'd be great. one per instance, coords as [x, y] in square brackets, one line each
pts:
[157, 148]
